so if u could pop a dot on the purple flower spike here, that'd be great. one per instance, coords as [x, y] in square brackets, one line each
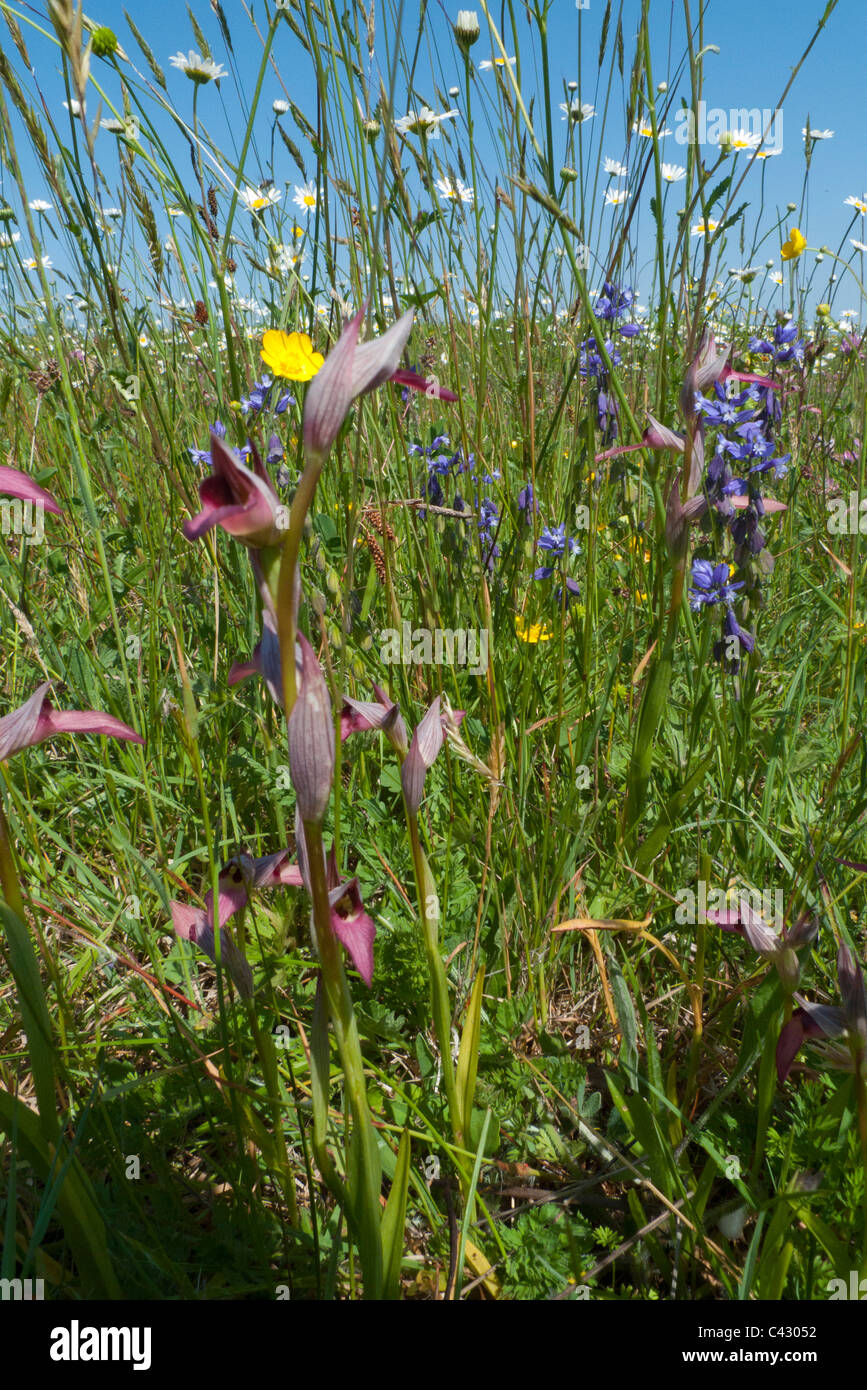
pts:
[311, 740]
[35, 721]
[241, 500]
[426, 743]
[14, 483]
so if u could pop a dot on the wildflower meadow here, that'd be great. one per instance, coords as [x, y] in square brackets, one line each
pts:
[433, 638]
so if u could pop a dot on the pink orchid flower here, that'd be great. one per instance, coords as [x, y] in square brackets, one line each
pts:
[826, 1021]
[35, 721]
[778, 947]
[240, 499]
[14, 483]
[237, 879]
[353, 927]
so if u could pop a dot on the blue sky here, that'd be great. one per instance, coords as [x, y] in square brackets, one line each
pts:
[759, 44]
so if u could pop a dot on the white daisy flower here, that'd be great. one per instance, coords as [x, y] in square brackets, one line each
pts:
[740, 140]
[31, 263]
[487, 64]
[776, 276]
[859, 203]
[767, 154]
[578, 110]
[305, 198]
[112, 124]
[745, 273]
[615, 196]
[73, 106]
[673, 173]
[859, 245]
[257, 199]
[817, 134]
[286, 258]
[113, 212]
[424, 122]
[454, 190]
[702, 228]
[646, 129]
[40, 205]
[197, 68]
[615, 168]
[7, 241]
[279, 107]
[176, 212]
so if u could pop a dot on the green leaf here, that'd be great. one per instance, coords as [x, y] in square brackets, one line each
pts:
[468, 1058]
[76, 1204]
[35, 1018]
[394, 1220]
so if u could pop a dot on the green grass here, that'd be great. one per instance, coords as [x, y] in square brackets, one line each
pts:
[625, 1074]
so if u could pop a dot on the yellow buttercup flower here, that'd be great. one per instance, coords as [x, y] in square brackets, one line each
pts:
[290, 355]
[792, 248]
[536, 632]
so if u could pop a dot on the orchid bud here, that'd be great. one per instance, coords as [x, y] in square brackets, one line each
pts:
[350, 369]
[14, 483]
[704, 369]
[853, 992]
[311, 740]
[329, 395]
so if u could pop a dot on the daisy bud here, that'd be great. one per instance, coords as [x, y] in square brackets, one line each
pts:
[466, 29]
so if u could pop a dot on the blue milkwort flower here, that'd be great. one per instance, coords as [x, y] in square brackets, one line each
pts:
[753, 446]
[711, 584]
[724, 410]
[786, 346]
[259, 393]
[204, 455]
[606, 416]
[779, 465]
[528, 502]
[572, 590]
[732, 628]
[591, 364]
[556, 543]
[613, 301]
